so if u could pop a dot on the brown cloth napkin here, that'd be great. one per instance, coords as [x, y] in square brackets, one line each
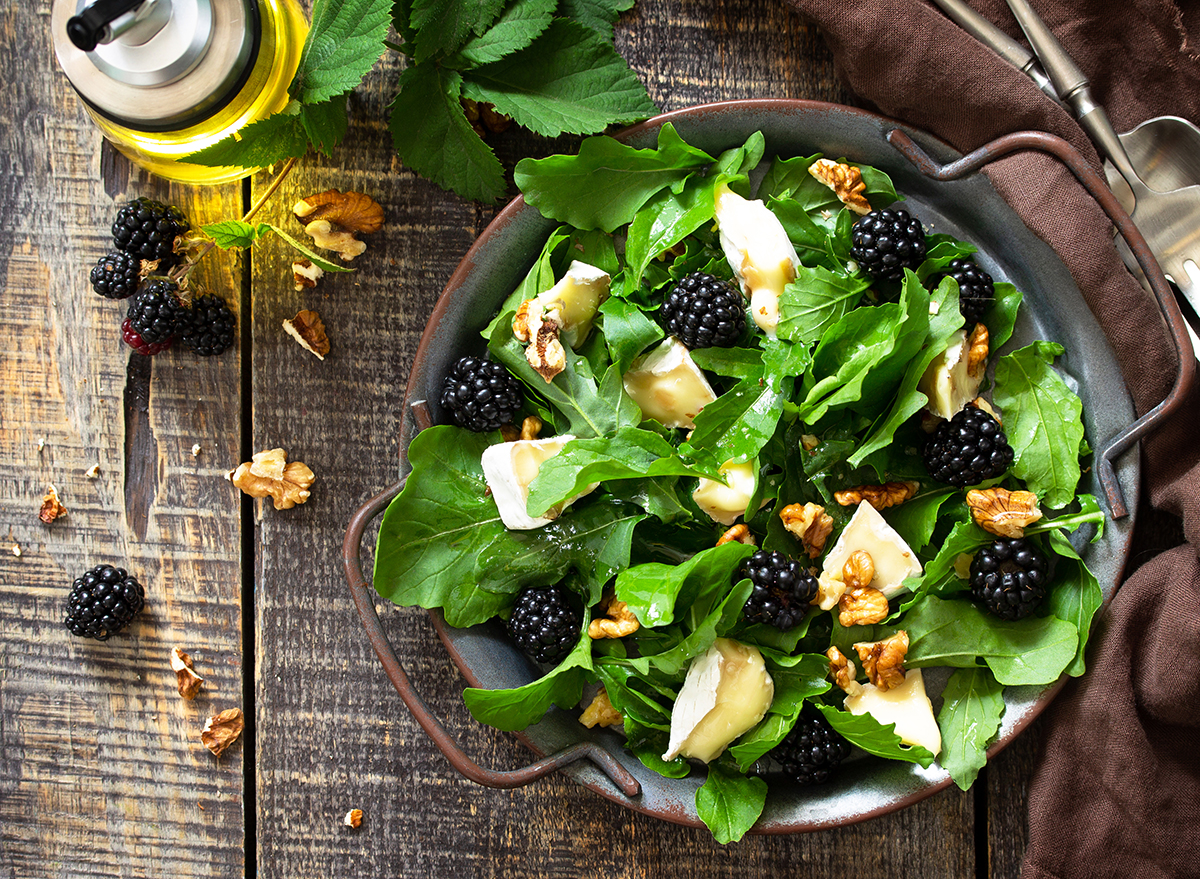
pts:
[1117, 790]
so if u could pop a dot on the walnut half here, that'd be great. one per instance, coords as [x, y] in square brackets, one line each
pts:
[222, 730]
[269, 474]
[810, 524]
[1002, 512]
[879, 496]
[846, 181]
[334, 218]
[617, 622]
[883, 661]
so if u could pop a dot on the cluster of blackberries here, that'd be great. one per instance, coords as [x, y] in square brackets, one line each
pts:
[481, 395]
[144, 235]
[545, 624]
[783, 590]
[704, 312]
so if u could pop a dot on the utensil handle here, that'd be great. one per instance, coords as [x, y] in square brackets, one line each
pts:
[1000, 43]
[364, 600]
[1098, 189]
[1075, 90]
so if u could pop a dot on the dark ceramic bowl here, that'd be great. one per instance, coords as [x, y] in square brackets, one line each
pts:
[969, 209]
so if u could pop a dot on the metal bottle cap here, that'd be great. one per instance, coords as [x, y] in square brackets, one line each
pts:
[162, 64]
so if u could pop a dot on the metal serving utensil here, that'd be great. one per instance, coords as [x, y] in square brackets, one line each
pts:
[1155, 168]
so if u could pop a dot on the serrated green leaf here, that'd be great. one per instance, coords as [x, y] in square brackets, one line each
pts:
[599, 15]
[434, 138]
[442, 26]
[570, 80]
[519, 25]
[235, 233]
[343, 43]
[325, 123]
[323, 263]
[972, 705]
[262, 143]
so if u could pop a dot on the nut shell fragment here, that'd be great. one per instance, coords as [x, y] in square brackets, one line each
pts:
[189, 682]
[1002, 512]
[270, 474]
[51, 508]
[308, 329]
[222, 730]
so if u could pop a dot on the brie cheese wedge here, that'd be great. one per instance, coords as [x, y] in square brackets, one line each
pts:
[947, 382]
[725, 502]
[893, 558]
[509, 468]
[668, 386]
[907, 706]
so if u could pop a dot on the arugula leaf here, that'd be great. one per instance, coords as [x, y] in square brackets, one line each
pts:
[621, 683]
[793, 686]
[1035, 650]
[1089, 514]
[627, 331]
[629, 453]
[433, 531]
[1042, 417]
[1002, 316]
[434, 138]
[235, 233]
[915, 519]
[594, 539]
[1075, 595]
[815, 301]
[519, 25]
[570, 80]
[653, 590]
[607, 182]
[516, 708]
[864, 731]
[343, 44]
[729, 803]
[972, 705]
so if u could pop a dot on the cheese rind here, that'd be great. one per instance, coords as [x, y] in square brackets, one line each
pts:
[907, 706]
[726, 692]
[759, 251]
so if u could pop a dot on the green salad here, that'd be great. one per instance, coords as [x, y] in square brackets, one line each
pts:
[726, 546]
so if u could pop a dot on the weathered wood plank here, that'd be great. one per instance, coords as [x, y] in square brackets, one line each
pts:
[332, 735]
[101, 768]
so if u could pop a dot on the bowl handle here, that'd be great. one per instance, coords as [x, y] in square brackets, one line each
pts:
[364, 600]
[1097, 188]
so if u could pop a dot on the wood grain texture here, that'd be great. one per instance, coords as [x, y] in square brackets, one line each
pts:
[331, 734]
[101, 769]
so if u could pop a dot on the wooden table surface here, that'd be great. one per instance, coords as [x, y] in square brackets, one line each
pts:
[102, 772]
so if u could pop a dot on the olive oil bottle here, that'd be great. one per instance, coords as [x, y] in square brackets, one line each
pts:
[164, 78]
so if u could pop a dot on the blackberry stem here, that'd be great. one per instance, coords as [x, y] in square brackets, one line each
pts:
[184, 269]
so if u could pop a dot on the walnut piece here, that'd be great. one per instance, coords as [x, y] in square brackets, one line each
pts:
[1002, 512]
[545, 352]
[977, 351]
[308, 329]
[92, 472]
[810, 524]
[830, 590]
[739, 533]
[222, 730]
[842, 670]
[305, 274]
[600, 712]
[269, 474]
[862, 606]
[185, 674]
[342, 214]
[353, 818]
[879, 496]
[858, 570]
[617, 622]
[484, 118]
[531, 426]
[980, 403]
[845, 180]
[52, 508]
[883, 661]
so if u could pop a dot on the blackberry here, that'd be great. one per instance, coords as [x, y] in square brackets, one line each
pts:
[208, 326]
[481, 395]
[102, 602]
[782, 590]
[131, 338]
[968, 449]
[544, 625]
[156, 311]
[887, 242]
[148, 229]
[704, 312]
[976, 290]
[812, 751]
[1008, 577]
[116, 275]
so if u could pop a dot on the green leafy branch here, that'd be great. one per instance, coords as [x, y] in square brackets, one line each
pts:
[549, 65]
